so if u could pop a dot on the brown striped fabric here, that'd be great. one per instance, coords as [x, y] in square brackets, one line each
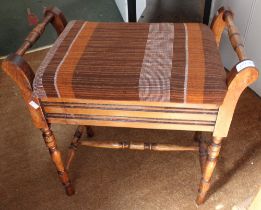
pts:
[164, 62]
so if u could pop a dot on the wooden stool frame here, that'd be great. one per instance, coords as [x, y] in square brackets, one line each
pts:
[41, 111]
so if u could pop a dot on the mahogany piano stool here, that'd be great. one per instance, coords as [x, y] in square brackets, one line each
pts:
[135, 75]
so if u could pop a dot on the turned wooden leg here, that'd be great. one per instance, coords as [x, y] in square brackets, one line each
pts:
[213, 152]
[57, 160]
[74, 145]
[89, 131]
[203, 149]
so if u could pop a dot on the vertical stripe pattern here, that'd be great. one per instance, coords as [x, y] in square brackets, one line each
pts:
[54, 57]
[154, 82]
[186, 63]
[111, 62]
[65, 70]
[62, 62]
[178, 66]
[38, 82]
[158, 62]
[213, 89]
[196, 78]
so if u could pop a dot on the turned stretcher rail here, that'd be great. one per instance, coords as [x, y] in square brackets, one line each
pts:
[123, 146]
[118, 145]
[137, 146]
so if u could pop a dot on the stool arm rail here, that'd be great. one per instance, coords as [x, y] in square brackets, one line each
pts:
[237, 80]
[20, 71]
[51, 15]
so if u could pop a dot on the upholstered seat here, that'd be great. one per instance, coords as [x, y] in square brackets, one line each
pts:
[164, 62]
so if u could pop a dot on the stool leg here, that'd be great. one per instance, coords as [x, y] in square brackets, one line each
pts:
[57, 160]
[89, 131]
[213, 152]
[74, 145]
[203, 149]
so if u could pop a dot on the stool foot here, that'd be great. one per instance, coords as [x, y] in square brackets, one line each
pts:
[208, 169]
[200, 199]
[203, 189]
[69, 189]
[74, 145]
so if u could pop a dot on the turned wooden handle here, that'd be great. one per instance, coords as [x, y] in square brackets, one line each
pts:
[20, 71]
[239, 78]
[34, 35]
[245, 79]
[51, 15]
[234, 35]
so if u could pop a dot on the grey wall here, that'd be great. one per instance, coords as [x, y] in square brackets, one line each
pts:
[14, 26]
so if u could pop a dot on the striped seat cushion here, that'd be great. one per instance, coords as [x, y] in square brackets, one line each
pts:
[161, 62]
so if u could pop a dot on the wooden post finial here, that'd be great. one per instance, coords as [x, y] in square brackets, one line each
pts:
[58, 21]
[227, 13]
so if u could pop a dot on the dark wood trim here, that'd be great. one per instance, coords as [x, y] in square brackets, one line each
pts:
[132, 13]
[207, 11]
